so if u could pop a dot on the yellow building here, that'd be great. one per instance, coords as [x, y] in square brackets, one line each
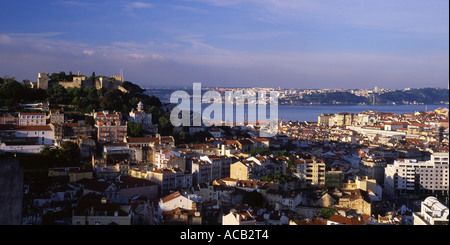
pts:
[324, 119]
[227, 181]
[239, 171]
[357, 200]
[311, 171]
[74, 173]
[442, 111]
[94, 210]
[244, 170]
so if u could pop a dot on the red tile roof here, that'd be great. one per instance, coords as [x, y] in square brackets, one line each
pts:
[171, 197]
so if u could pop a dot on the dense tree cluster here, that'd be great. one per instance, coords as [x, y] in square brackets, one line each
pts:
[82, 100]
[68, 154]
[13, 92]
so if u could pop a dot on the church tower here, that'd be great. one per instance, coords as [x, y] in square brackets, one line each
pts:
[140, 106]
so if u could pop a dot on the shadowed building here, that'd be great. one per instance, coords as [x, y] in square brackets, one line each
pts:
[11, 192]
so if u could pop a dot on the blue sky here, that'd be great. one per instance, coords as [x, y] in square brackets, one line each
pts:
[251, 43]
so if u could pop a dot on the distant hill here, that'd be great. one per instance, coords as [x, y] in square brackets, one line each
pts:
[334, 98]
[428, 96]
[421, 95]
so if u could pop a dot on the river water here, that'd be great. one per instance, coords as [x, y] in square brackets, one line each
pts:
[311, 113]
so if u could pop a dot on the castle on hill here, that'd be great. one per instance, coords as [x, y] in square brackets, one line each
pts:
[80, 81]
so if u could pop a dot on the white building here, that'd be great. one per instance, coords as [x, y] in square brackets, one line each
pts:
[432, 212]
[25, 139]
[291, 200]
[141, 117]
[238, 218]
[32, 119]
[163, 156]
[176, 200]
[408, 176]
[216, 132]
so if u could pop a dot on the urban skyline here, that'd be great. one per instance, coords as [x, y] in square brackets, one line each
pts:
[292, 44]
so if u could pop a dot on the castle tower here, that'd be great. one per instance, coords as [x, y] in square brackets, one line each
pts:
[42, 81]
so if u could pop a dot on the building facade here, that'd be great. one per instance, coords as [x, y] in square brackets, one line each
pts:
[110, 127]
[32, 119]
[373, 167]
[311, 171]
[432, 212]
[408, 176]
[141, 117]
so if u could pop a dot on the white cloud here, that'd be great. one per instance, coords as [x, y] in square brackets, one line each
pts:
[88, 52]
[4, 39]
[137, 5]
[192, 58]
[137, 56]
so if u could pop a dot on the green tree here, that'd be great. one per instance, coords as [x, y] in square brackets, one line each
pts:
[132, 88]
[165, 126]
[70, 152]
[135, 129]
[12, 90]
[89, 120]
[263, 151]
[253, 199]
[291, 167]
[180, 137]
[326, 213]
[279, 153]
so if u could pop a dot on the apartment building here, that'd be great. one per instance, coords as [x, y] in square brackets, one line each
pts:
[169, 179]
[220, 166]
[25, 139]
[163, 156]
[141, 148]
[245, 170]
[56, 116]
[70, 131]
[373, 167]
[32, 119]
[110, 127]
[409, 176]
[311, 171]
[9, 119]
[357, 200]
[201, 172]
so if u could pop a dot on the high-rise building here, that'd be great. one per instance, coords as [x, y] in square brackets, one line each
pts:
[408, 176]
